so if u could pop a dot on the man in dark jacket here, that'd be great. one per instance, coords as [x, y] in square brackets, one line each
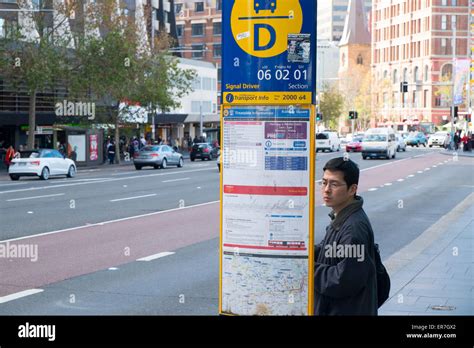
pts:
[345, 278]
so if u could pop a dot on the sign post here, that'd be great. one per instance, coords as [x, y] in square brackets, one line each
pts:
[267, 176]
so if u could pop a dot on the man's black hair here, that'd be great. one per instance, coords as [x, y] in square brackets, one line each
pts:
[348, 167]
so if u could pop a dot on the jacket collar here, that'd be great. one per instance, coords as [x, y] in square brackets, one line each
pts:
[338, 220]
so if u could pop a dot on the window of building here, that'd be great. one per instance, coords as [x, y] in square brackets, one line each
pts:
[405, 75]
[425, 98]
[217, 50]
[444, 46]
[395, 76]
[453, 22]
[416, 74]
[217, 28]
[197, 83]
[426, 72]
[360, 60]
[385, 74]
[447, 71]
[444, 22]
[180, 30]
[198, 7]
[178, 8]
[218, 5]
[207, 83]
[197, 29]
[195, 106]
[198, 50]
[454, 3]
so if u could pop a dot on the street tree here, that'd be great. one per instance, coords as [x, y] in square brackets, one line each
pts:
[34, 56]
[122, 73]
[331, 105]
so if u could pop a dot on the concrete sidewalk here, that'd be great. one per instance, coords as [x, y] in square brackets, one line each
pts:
[433, 275]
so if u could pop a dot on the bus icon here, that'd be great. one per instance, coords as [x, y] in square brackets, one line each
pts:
[262, 5]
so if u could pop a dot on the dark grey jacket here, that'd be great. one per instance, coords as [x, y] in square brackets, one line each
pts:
[344, 280]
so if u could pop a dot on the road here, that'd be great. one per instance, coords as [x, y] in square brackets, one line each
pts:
[106, 223]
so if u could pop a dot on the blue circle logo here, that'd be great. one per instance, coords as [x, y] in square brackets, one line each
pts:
[229, 97]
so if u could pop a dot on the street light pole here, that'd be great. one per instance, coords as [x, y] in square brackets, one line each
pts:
[453, 77]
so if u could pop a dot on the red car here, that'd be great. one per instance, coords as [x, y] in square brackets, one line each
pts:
[355, 145]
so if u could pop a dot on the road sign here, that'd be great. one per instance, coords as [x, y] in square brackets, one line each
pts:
[269, 50]
[267, 200]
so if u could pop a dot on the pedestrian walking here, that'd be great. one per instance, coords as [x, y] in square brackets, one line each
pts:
[345, 280]
[466, 142]
[9, 155]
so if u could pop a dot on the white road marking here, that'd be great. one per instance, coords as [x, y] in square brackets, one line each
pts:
[113, 269]
[107, 180]
[107, 222]
[400, 180]
[434, 165]
[124, 173]
[29, 212]
[420, 172]
[427, 169]
[128, 198]
[176, 180]
[410, 176]
[35, 197]
[20, 294]
[156, 256]
[372, 189]
[388, 184]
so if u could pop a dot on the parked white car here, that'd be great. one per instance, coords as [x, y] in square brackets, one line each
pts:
[42, 163]
[327, 140]
[439, 139]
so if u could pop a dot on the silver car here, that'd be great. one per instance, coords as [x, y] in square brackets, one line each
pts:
[158, 156]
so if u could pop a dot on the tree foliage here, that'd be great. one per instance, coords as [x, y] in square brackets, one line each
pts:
[331, 105]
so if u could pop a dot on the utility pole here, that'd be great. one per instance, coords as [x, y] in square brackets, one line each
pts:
[453, 77]
[153, 112]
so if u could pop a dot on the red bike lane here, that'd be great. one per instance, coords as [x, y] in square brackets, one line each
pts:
[87, 249]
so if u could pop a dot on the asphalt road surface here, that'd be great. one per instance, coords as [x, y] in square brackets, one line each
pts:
[119, 241]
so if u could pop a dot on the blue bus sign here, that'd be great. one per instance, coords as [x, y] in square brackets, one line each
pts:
[269, 49]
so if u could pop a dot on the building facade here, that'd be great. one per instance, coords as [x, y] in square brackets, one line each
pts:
[332, 16]
[200, 104]
[151, 17]
[199, 30]
[417, 41]
[327, 63]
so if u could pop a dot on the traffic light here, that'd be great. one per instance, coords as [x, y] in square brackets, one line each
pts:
[403, 87]
[468, 118]
[353, 115]
[454, 111]
[319, 116]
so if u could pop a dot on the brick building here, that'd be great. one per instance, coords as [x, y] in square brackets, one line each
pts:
[413, 41]
[199, 28]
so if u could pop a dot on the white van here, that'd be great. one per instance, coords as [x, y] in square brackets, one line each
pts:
[379, 142]
[328, 140]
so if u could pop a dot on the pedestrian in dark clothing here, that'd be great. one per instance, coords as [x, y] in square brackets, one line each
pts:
[345, 276]
[111, 152]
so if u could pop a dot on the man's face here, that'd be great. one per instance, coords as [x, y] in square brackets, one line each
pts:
[334, 190]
